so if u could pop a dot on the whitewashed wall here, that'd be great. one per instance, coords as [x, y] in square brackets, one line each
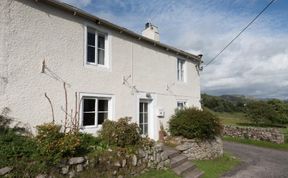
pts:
[32, 32]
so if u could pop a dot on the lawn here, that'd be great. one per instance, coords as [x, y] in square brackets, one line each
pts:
[257, 143]
[236, 118]
[217, 167]
[211, 168]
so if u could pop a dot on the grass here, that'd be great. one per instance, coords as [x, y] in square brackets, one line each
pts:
[217, 167]
[159, 174]
[236, 118]
[264, 144]
[211, 168]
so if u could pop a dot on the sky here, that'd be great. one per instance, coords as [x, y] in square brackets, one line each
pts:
[256, 64]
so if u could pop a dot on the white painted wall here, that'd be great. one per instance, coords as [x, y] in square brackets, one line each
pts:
[32, 32]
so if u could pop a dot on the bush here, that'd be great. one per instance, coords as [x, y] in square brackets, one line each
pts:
[194, 123]
[260, 112]
[120, 133]
[54, 145]
[21, 153]
[89, 143]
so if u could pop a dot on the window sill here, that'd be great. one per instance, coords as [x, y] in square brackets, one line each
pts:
[90, 127]
[97, 67]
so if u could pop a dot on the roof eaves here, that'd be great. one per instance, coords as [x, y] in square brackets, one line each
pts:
[81, 13]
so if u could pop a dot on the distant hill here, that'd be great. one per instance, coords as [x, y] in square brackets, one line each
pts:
[224, 103]
[230, 103]
[238, 98]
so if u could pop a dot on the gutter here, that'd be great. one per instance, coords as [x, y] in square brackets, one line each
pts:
[80, 13]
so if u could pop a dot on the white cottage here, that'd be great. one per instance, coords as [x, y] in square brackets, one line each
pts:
[114, 71]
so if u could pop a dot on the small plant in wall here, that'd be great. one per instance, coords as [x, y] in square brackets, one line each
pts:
[162, 133]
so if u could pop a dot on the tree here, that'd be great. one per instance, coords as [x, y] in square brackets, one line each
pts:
[260, 112]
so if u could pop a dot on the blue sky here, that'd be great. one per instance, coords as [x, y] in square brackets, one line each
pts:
[256, 64]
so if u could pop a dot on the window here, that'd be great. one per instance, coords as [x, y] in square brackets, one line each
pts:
[95, 111]
[95, 48]
[181, 104]
[180, 70]
[143, 117]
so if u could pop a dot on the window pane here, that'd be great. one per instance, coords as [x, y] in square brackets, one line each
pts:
[102, 117]
[141, 128]
[88, 119]
[101, 42]
[140, 118]
[145, 130]
[145, 116]
[102, 105]
[90, 54]
[141, 107]
[145, 107]
[101, 54]
[91, 38]
[89, 105]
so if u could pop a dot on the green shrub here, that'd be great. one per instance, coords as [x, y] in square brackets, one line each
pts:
[89, 143]
[47, 138]
[260, 112]
[120, 133]
[194, 123]
[54, 145]
[21, 153]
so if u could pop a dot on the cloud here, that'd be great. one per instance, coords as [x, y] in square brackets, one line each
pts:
[255, 64]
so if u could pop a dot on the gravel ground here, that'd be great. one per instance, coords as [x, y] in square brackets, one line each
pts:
[257, 162]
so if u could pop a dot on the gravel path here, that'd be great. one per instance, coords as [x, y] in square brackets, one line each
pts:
[257, 162]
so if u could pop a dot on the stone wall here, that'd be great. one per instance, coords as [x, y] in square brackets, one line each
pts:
[265, 134]
[200, 150]
[116, 163]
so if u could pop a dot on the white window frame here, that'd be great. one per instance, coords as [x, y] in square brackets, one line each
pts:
[181, 72]
[96, 97]
[106, 47]
[147, 113]
[184, 102]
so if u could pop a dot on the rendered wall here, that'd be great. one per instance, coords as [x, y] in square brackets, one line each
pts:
[32, 32]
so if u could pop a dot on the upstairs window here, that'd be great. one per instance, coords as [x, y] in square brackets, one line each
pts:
[94, 111]
[96, 47]
[181, 70]
[181, 104]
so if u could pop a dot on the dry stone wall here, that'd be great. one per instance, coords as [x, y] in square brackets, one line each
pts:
[264, 134]
[200, 150]
[114, 164]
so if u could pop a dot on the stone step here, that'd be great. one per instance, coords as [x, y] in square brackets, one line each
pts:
[184, 168]
[170, 153]
[178, 160]
[195, 173]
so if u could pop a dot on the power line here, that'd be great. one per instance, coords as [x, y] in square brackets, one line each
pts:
[250, 23]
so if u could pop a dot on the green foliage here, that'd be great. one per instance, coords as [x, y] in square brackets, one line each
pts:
[268, 112]
[281, 108]
[54, 145]
[120, 133]
[21, 152]
[260, 112]
[222, 104]
[194, 123]
[89, 143]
